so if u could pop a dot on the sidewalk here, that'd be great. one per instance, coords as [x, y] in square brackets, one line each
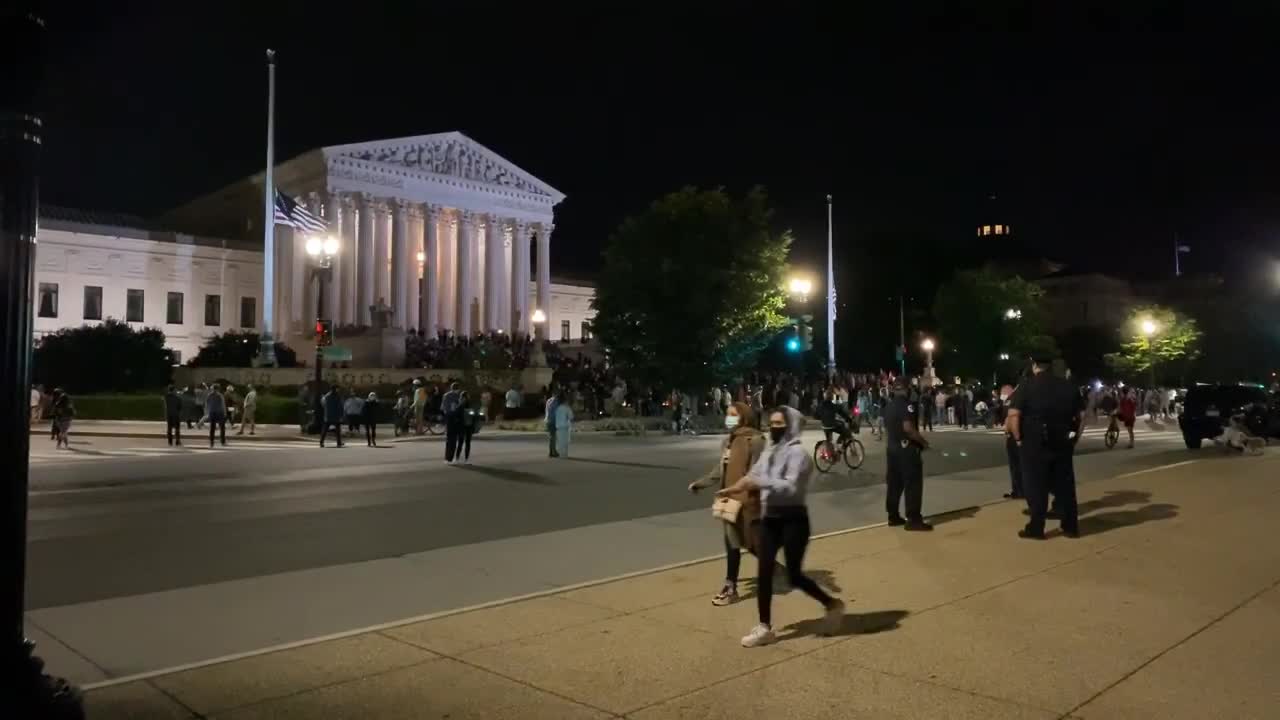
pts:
[155, 429]
[1167, 607]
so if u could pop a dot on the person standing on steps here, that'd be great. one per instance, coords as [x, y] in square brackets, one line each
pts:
[172, 416]
[1046, 421]
[782, 476]
[452, 421]
[904, 466]
[331, 406]
[738, 454]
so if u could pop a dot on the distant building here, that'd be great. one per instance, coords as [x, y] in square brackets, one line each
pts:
[1085, 299]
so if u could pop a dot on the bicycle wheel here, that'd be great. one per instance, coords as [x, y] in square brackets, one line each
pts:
[854, 454]
[1111, 438]
[823, 458]
[435, 425]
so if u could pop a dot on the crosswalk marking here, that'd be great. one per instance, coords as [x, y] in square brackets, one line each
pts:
[88, 455]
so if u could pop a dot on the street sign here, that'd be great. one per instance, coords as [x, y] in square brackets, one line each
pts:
[334, 353]
[898, 353]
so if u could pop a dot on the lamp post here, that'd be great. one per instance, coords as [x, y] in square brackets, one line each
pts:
[321, 250]
[537, 358]
[1013, 314]
[928, 345]
[1149, 329]
[800, 288]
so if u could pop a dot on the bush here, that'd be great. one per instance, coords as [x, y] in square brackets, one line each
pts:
[237, 349]
[111, 357]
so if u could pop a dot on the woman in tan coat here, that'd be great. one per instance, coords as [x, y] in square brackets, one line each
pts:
[738, 453]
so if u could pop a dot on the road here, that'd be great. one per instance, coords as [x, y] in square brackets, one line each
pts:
[122, 526]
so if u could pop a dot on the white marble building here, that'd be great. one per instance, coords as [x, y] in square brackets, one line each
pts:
[479, 224]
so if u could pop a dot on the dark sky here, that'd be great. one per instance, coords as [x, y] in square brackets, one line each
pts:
[1100, 145]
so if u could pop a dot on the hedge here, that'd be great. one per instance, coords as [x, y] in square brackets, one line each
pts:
[272, 410]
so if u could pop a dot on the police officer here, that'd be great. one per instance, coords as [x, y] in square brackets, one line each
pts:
[904, 466]
[1045, 421]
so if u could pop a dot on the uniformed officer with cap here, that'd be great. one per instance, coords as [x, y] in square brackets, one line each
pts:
[904, 466]
[1045, 420]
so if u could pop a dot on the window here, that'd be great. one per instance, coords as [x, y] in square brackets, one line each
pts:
[48, 300]
[133, 305]
[175, 356]
[248, 312]
[979, 232]
[586, 331]
[92, 302]
[986, 229]
[213, 310]
[564, 330]
[999, 229]
[173, 309]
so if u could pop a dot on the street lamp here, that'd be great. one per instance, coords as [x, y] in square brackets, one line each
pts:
[1012, 314]
[537, 358]
[928, 345]
[800, 287]
[1149, 329]
[321, 250]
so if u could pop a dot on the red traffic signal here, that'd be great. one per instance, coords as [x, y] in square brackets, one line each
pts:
[324, 333]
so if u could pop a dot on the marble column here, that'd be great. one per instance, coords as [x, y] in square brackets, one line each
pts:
[334, 216]
[504, 283]
[382, 253]
[520, 278]
[365, 242]
[447, 272]
[344, 279]
[466, 285]
[400, 264]
[430, 301]
[414, 269]
[544, 277]
[493, 241]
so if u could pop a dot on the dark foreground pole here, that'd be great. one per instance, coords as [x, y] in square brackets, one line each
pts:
[24, 688]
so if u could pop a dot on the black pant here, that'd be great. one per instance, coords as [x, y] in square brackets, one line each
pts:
[371, 432]
[452, 434]
[353, 423]
[926, 415]
[173, 430]
[1014, 454]
[551, 441]
[1048, 469]
[905, 475]
[464, 442]
[732, 561]
[788, 528]
[962, 417]
[220, 424]
[324, 431]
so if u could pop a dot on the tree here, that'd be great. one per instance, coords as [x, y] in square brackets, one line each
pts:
[110, 357]
[237, 349]
[692, 289]
[982, 315]
[1160, 343]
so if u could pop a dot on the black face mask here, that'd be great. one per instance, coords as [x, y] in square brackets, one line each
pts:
[776, 434]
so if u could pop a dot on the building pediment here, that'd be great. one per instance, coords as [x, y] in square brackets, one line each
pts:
[446, 155]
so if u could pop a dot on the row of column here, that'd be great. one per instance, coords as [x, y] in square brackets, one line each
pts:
[474, 271]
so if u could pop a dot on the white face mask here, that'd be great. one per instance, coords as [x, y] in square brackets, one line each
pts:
[731, 421]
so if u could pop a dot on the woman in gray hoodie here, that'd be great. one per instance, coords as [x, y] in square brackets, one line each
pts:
[782, 475]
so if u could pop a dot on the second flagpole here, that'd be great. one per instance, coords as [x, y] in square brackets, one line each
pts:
[267, 346]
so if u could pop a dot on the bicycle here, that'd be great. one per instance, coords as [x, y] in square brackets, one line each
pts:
[825, 457]
[434, 424]
[1113, 433]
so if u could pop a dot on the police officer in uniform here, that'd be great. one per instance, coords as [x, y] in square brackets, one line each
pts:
[1046, 421]
[904, 466]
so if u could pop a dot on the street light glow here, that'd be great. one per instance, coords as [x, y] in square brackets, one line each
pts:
[539, 316]
[1149, 327]
[801, 286]
[1012, 314]
[1004, 356]
[927, 345]
[422, 257]
[331, 246]
[314, 246]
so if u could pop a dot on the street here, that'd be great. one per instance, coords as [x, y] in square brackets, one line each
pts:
[142, 557]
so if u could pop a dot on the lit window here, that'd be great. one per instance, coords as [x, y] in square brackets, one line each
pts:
[986, 229]
[999, 229]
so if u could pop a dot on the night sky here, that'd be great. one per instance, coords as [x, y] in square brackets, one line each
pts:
[1099, 146]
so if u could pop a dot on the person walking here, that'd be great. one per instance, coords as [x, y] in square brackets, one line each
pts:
[63, 411]
[173, 416]
[400, 414]
[564, 423]
[419, 407]
[553, 400]
[37, 397]
[190, 409]
[739, 452]
[1046, 418]
[369, 416]
[452, 421]
[469, 419]
[202, 393]
[928, 401]
[1012, 452]
[215, 411]
[331, 406]
[353, 407]
[1129, 413]
[904, 466]
[782, 476]
[250, 410]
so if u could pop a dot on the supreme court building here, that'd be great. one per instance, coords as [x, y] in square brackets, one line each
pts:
[438, 229]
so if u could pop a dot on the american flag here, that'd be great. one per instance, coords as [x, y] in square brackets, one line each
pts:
[290, 212]
[831, 302]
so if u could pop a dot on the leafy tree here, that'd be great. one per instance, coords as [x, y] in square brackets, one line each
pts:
[975, 328]
[110, 357]
[1164, 353]
[692, 289]
[237, 349]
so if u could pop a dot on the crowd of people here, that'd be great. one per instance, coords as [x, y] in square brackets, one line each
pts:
[488, 351]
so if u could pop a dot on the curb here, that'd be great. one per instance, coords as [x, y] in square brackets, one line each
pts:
[189, 433]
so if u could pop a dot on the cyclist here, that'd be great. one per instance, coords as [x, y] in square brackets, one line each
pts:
[834, 418]
[1108, 406]
[1128, 413]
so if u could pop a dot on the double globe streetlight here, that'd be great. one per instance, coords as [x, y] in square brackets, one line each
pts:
[322, 249]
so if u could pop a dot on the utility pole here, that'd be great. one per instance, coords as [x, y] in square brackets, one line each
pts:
[902, 339]
[25, 691]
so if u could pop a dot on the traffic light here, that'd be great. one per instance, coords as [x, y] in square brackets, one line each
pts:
[324, 333]
[806, 338]
[793, 344]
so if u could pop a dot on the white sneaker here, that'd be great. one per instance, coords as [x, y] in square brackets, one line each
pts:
[761, 634]
[834, 619]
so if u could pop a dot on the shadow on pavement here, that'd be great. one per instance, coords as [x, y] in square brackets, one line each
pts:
[853, 624]
[623, 463]
[825, 579]
[1115, 498]
[508, 474]
[953, 515]
[1094, 524]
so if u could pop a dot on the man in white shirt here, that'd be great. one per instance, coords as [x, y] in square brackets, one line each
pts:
[512, 403]
[250, 404]
[36, 398]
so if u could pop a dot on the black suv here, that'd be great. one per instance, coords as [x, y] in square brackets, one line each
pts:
[1208, 408]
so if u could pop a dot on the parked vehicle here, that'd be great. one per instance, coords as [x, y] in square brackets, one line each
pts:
[1209, 407]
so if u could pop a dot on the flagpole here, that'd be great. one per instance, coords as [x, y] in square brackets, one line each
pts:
[831, 302]
[267, 349]
[1177, 261]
